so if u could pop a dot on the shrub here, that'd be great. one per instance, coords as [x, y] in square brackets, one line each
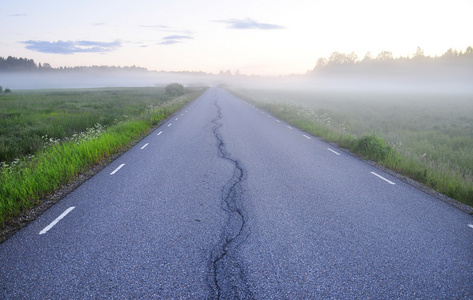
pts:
[372, 147]
[175, 89]
[7, 90]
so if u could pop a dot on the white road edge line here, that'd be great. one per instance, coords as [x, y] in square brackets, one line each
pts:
[169, 124]
[144, 146]
[288, 126]
[333, 151]
[379, 176]
[470, 225]
[116, 170]
[177, 119]
[278, 121]
[46, 229]
[308, 137]
[159, 133]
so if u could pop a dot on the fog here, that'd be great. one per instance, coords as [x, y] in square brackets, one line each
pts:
[432, 80]
[90, 79]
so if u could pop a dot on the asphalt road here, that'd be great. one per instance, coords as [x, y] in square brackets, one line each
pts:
[224, 201]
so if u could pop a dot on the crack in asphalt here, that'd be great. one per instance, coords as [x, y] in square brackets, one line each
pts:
[229, 278]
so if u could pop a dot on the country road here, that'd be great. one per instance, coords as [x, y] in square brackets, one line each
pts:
[225, 201]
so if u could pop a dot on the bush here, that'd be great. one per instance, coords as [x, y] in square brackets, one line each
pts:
[7, 90]
[372, 147]
[175, 89]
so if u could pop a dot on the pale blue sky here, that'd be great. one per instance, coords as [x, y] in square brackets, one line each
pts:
[267, 37]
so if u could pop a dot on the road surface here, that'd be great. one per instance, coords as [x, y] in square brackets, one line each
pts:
[224, 201]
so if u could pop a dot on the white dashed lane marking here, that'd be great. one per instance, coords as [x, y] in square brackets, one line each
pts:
[116, 170]
[144, 146]
[46, 229]
[333, 151]
[379, 176]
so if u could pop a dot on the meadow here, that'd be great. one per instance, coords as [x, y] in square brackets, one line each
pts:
[29, 119]
[48, 137]
[427, 137]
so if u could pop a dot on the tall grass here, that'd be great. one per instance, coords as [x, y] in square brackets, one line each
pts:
[26, 180]
[428, 138]
[26, 116]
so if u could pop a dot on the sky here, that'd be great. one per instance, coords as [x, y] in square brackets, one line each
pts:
[255, 37]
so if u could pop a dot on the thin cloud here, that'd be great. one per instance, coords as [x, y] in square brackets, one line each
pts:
[168, 29]
[99, 24]
[17, 15]
[249, 24]
[70, 47]
[174, 39]
[156, 26]
[169, 42]
[177, 37]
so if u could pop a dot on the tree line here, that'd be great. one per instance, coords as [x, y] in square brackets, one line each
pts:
[451, 60]
[386, 57]
[14, 64]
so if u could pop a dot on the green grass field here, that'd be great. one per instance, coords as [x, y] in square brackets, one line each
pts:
[424, 136]
[28, 119]
[49, 137]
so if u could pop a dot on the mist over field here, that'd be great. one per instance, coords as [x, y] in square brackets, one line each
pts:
[92, 79]
[433, 82]
[450, 73]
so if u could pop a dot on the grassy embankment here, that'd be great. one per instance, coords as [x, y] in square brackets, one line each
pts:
[49, 137]
[428, 138]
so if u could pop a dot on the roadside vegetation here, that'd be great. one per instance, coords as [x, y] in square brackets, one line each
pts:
[428, 138]
[49, 137]
[6, 91]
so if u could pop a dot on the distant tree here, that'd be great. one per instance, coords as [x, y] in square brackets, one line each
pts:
[7, 90]
[450, 53]
[368, 57]
[469, 51]
[1, 89]
[419, 53]
[352, 58]
[338, 58]
[321, 62]
[385, 56]
[175, 89]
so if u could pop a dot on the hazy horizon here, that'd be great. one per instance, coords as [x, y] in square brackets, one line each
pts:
[450, 73]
